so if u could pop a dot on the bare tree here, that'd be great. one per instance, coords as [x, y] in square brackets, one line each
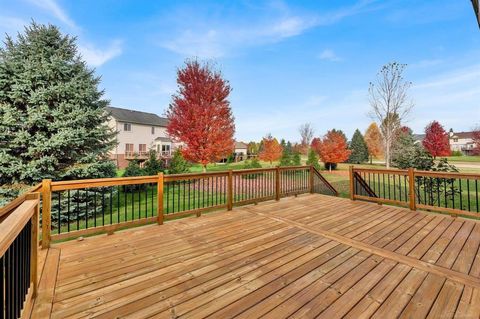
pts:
[388, 97]
[306, 132]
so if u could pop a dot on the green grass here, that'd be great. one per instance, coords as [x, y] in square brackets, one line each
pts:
[470, 159]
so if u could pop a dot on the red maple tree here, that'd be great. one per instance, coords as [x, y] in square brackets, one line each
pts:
[436, 140]
[271, 150]
[476, 141]
[200, 115]
[333, 148]
[316, 144]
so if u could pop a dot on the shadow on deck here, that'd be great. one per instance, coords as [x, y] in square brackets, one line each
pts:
[301, 257]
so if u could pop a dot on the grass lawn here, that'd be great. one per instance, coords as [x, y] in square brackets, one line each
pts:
[470, 159]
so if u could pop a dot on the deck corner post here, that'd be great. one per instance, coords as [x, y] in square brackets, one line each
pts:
[411, 189]
[46, 212]
[311, 179]
[160, 199]
[352, 185]
[277, 183]
[230, 190]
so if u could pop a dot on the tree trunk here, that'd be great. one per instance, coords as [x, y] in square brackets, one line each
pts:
[204, 168]
[387, 155]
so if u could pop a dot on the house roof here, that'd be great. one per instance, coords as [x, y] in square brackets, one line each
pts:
[163, 139]
[463, 135]
[418, 137]
[137, 117]
[240, 145]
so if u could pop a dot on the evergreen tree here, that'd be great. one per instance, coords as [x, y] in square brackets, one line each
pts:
[133, 169]
[178, 164]
[313, 159]
[296, 159]
[53, 121]
[406, 153]
[153, 165]
[359, 149]
[286, 159]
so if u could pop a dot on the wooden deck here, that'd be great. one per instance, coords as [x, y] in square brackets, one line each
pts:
[305, 257]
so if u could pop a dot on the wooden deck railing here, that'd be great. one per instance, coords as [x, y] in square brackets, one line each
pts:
[82, 207]
[18, 256]
[454, 193]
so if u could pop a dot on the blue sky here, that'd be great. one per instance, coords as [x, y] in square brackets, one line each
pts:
[288, 62]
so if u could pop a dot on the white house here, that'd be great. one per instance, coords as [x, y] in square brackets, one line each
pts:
[459, 141]
[137, 133]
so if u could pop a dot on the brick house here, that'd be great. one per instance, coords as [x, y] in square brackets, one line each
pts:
[138, 133]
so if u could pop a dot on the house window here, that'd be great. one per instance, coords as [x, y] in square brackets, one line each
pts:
[166, 149]
[142, 148]
[127, 127]
[455, 140]
[128, 148]
[153, 129]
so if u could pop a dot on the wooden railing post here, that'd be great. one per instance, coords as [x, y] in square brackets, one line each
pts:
[230, 190]
[311, 179]
[352, 185]
[46, 212]
[277, 183]
[411, 184]
[160, 199]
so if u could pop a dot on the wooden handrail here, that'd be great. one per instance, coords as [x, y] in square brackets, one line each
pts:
[19, 200]
[21, 227]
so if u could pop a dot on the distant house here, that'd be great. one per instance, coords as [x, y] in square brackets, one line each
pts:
[240, 152]
[459, 141]
[138, 133]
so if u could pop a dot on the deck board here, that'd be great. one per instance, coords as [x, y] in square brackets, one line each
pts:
[301, 257]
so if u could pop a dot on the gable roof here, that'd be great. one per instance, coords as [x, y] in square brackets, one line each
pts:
[137, 117]
[462, 135]
[240, 145]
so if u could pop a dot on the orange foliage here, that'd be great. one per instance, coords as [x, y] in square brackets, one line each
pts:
[333, 148]
[373, 139]
[272, 150]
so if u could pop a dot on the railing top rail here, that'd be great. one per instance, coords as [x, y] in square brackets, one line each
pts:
[253, 170]
[293, 167]
[13, 224]
[447, 174]
[114, 181]
[381, 170]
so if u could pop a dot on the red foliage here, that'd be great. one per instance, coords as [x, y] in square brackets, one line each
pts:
[316, 144]
[200, 114]
[271, 151]
[333, 148]
[436, 140]
[476, 141]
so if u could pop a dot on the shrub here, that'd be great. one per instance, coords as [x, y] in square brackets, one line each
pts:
[153, 165]
[178, 164]
[313, 159]
[457, 153]
[134, 169]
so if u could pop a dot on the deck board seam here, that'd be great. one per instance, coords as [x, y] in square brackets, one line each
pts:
[419, 264]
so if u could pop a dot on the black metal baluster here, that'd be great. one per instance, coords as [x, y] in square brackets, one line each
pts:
[68, 213]
[460, 187]
[94, 206]
[103, 206]
[86, 208]
[118, 204]
[58, 212]
[468, 193]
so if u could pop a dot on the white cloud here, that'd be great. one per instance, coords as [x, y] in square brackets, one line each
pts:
[12, 24]
[54, 9]
[219, 38]
[450, 98]
[329, 55]
[96, 57]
